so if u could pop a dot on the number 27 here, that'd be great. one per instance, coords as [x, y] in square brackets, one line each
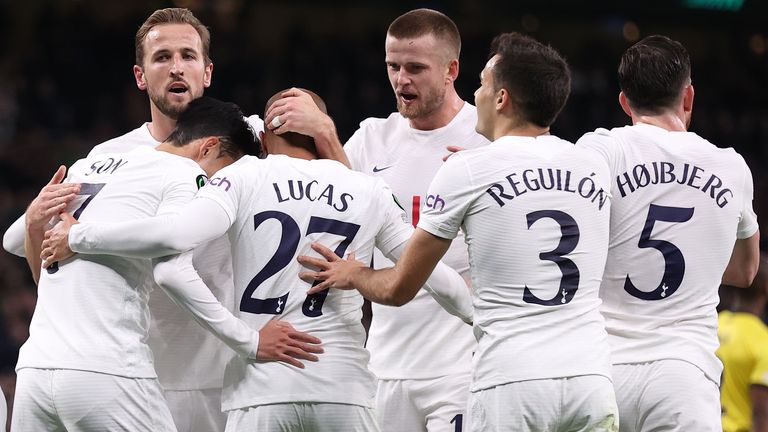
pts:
[289, 243]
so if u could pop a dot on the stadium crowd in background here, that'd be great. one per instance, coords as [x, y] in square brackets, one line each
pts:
[54, 121]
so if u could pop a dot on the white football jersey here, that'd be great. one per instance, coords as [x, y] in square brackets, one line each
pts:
[277, 207]
[535, 212]
[407, 159]
[187, 357]
[92, 312]
[679, 204]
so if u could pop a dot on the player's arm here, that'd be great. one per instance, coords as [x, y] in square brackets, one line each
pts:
[33, 240]
[299, 113]
[745, 259]
[276, 341]
[200, 221]
[52, 199]
[759, 395]
[444, 284]
[395, 285]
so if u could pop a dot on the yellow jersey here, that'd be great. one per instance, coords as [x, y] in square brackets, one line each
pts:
[744, 353]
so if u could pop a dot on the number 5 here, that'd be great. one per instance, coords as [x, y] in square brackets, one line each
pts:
[674, 262]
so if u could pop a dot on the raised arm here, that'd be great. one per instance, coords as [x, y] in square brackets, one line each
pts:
[52, 199]
[277, 341]
[298, 113]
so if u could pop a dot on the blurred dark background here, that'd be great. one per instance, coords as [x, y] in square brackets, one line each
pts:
[66, 82]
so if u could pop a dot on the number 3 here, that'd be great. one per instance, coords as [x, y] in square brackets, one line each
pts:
[569, 283]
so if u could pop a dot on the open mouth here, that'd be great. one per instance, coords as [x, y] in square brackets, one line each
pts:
[178, 88]
[408, 97]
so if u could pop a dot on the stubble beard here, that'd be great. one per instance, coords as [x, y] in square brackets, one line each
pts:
[169, 109]
[428, 104]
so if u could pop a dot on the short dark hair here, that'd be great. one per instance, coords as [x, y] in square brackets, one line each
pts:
[535, 74]
[172, 16]
[207, 117]
[421, 22]
[294, 138]
[653, 73]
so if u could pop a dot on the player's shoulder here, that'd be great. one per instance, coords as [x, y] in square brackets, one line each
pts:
[341, 174]
[103, 160]
[376, 124]
[139, 137]
[757, 329]
[706, 145]
[248, 166]
[600, 137]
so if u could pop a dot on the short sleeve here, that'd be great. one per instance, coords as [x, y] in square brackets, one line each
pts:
[395, 229]
[448, 198]
[354, 148]
[748, 219]
[605, 144]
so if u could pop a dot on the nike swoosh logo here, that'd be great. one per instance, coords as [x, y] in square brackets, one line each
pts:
[377, 169]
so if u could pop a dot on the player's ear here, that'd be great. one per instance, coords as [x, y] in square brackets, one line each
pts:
[138, 73]
[503, 99]
[209, 148]
[264, 144]
[207, 75]
[453, 71]
[688, 98]
[625, 104]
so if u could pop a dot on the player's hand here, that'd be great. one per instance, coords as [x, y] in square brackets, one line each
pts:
[279, 341]
[56, 241]
[52, 200]
[335, 272]
[297, 113]
[452, 149]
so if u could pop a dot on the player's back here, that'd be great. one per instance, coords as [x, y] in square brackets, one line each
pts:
[279, 207]
[744, 353]
[678, 204]
[92, 310]
[535, 212]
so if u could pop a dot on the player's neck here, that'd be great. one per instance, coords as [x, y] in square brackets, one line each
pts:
[183, 151]
[669, 121]
[161, 125]
[510, 127]
[442, 116]
[292, 151]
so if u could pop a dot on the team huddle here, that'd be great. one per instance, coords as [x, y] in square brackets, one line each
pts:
[525, 283]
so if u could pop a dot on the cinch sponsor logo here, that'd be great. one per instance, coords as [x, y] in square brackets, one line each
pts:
[433, 201]
[220, 182]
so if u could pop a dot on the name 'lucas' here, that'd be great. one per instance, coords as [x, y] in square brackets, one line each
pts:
[312, 191]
